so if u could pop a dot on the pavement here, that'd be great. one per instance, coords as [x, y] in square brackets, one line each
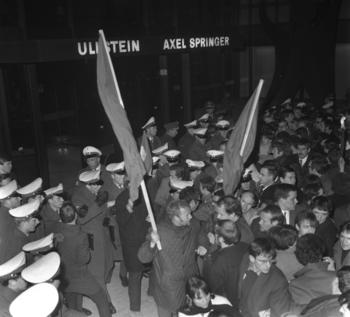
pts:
[120, 299]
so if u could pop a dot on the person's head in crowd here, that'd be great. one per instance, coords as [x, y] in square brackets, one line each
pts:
[179, 213]
[227, 233]
[150, 128]
[5, 179]
[318, 166]
[282, 126]
[10, 274]
[248, 201]
[287, 115]
[266, 137]
[312, 190]
[328, 126]
[91, 180]
[344, 236]
[198, 293]
[312, 179]
[284, 236]
[26, 217]
[277, 149]
[228, 208]
[303, 148]
[319, 123]
[285, 196]
[306, 222]
[194, 168]
[333, 157]
[321, 206]
[298, 113]
[293, 144]
[118, 172]
[262, 254]
[191, 196]
[218, 194]
[172, 128]
[309, 249]
[68, 213]
[201, 135]
[207, 186]
[32, 191]
[92, 157]
[268, 174]
[286, 175]
[177, 171]
[331, 145]
[9, 198]
[54, 197]
[270, 216]
[222, 127]
[302, 132]
[5, 164]
[282, 137]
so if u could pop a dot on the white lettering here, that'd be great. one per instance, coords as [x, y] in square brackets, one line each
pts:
[135, 46]
[91, 49]
[122, 48]
[80, 50]
[166, 45]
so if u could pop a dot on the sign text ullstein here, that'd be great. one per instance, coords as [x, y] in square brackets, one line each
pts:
[167, 44]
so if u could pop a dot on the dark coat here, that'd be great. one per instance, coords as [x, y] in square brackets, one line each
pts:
[75, 256]
[325, 306]
[101, 261]
[166, 138]
[174, 264]
[198, 152]
[185, 144]
[269, 292]
[49, 218]
[132, 228]
[337, 252]
[6, 297]
[215, 141]
[222, 273]
[312, 281]
[327, 231]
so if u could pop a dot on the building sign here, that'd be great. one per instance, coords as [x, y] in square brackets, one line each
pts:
[36, 51]
[162, 45]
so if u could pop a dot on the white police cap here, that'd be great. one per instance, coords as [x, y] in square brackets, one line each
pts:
[13, 265]
[204, 117]
[191, 124]
[178, 185]
[54, 190]
[31, 189]
[8, 189]
[160, 150]
[151, 122]
[195, 164]
[43, 269]
[201, 132]
[45, 243]
[116, 168]
[39, 300]
[222, 124]
[215, 154]
[90, 177]
[91, 151]
[26, 209]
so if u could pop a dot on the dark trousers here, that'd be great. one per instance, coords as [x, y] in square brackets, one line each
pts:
[134, 290]
[74, 301]
[163, 312]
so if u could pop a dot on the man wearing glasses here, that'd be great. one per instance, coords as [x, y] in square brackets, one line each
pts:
[263, 288]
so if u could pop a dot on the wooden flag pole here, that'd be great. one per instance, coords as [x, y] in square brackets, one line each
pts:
[143, 186]
[149, 209]
[251, 116]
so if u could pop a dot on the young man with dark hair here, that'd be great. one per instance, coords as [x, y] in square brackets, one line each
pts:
[321, 206]
[314, 279]
[268, 176]
[306, 222]
[341, 248]
[285, 196]
[285, 237]
[263, 287]
[222, 271]
[229, 208]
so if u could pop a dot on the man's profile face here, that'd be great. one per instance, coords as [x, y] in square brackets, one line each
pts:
[265, 177]
[289, 178]
[265, 221]
[345, 240]
[184, 216]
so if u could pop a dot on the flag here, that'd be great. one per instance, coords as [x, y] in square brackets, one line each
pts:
[146, 155]
[241, 142]
[112, 102]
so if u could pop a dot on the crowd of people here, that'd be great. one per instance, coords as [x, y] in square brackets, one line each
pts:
[279, 245]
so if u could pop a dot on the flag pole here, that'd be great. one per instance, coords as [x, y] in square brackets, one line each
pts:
[150, 213]
[143, 186]
[251, 116]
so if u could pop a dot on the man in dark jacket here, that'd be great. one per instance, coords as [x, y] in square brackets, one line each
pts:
[222, 271]
[176, 262]
[75, 255]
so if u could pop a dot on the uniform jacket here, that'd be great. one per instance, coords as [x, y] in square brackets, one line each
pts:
[215, 140]
[75, 256]
[6, 297]
[223, 271]
[198, 152]
[312, 281]
[166, 138]
[269, 293]
[185, 144]
[101, 247]
[49, 218]
[133, 229]
[174, 264]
